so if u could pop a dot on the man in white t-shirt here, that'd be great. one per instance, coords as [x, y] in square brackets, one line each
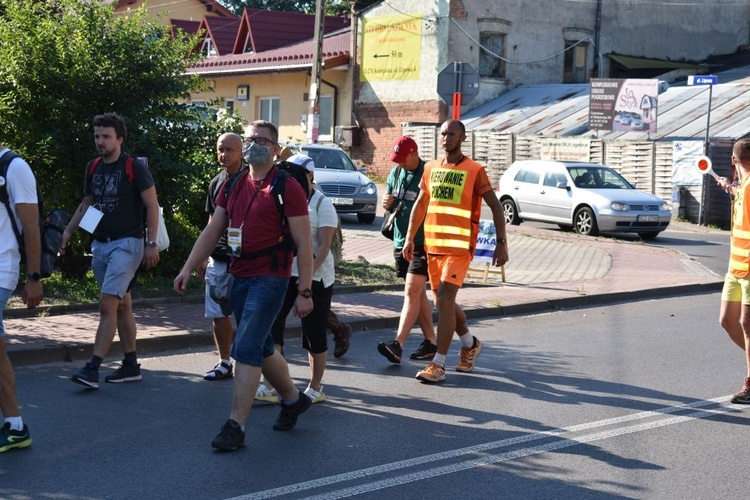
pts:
[19, 186]
[323, 223]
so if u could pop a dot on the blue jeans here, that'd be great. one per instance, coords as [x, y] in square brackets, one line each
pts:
[4, 298]
[256, 302]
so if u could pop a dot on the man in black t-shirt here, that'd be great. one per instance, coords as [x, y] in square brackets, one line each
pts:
[229, 155]
[114, 203]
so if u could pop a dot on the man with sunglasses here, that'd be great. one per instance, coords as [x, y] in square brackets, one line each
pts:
[261, 268]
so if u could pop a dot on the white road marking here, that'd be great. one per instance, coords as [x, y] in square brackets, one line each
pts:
[493, 459]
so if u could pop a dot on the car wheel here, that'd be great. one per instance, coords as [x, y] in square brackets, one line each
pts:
[585, 222]
[648, 235]
[366, 218]
[510, 212]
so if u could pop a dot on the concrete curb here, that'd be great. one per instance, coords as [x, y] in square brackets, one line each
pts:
[54, 353]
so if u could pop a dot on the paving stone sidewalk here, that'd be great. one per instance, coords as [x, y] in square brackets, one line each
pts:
[547, 270]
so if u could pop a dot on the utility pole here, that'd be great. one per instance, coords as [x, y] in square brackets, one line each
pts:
[313, 99]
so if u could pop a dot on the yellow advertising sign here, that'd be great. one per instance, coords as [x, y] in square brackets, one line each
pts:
[391, 48]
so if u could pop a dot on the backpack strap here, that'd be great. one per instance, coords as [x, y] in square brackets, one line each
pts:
[5, 162]
[285, 244]
[129, 170]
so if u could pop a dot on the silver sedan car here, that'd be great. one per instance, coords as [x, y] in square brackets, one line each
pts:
[588, 197]
[349, 189]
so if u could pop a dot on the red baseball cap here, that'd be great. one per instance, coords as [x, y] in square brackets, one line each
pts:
[403, 147]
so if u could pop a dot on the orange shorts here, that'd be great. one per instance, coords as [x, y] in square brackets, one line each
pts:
[448, 269]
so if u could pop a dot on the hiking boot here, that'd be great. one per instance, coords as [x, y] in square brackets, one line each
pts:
[125, 373]
[10, 438]
[743, 397]
[426, 350]
[230, 437]
[433, 374]
[220, 371]
[341, 342]
[288, 415]
[391, 350]
[469, 356]
[315, 396]
[87, 376]
[264, 393]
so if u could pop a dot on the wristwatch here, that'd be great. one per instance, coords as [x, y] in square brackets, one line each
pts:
[502, 241]
[306, 293]
[33, 276]
[151, 243]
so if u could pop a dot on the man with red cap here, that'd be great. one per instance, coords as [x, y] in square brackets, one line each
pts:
[401, 192]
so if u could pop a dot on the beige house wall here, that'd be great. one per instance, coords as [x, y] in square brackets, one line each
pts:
[291, 90]
[164, 10]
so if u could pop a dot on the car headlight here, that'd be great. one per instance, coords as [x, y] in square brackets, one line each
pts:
[620, 207]
[368, 189]
[665, 206]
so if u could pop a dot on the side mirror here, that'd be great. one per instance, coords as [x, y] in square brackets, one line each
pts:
[563, 185]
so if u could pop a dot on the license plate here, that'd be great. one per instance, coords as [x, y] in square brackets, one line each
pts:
[648, 218]
[342, 201]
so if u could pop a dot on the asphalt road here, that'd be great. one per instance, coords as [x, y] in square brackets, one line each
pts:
[624, 401]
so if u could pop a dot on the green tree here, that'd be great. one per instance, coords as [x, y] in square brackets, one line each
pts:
[64, 61]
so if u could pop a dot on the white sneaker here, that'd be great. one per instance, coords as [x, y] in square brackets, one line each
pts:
[316, 396]
[265, 394]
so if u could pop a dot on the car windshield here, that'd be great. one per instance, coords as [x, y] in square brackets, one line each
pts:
[593, 177]
[329, 159]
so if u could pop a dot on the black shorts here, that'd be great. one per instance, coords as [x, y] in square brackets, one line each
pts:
[418, 264]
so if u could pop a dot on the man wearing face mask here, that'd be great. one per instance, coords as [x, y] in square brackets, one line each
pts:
[261, 264]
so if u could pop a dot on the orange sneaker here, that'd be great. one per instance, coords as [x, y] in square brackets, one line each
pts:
[434, 373]
[468, 356]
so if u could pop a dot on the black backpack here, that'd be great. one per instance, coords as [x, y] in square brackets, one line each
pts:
[285, 243]
[50, 227]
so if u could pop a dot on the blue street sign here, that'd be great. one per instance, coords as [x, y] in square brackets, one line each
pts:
[702, 80]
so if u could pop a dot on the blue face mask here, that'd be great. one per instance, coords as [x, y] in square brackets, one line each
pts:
[257, 154]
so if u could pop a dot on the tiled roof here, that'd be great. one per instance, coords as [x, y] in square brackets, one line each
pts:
[222, 31]
[336, 48]
[190, 27]
[272, 29]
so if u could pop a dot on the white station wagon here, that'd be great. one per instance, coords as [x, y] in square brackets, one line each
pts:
[588, 197]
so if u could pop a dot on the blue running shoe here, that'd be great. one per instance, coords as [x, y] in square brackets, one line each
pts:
[10, 438]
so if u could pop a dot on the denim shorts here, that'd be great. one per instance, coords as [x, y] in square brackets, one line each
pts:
[256, 302]
[115, 264]
[4, 298]
[214, 270]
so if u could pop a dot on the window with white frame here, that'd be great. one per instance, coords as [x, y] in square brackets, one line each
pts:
[269, 109]
[208, 49]
[576, 68]
[230, 106]
[325, 123]
[490, 64]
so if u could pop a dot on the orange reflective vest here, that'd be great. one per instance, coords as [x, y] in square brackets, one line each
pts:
[452, 220]
[739, 257]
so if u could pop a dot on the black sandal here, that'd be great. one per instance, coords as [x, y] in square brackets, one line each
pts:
[220, 371]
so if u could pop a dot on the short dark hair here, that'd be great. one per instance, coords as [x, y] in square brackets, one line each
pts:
[459, 124]
[112, 120]
[741, 150]
[267, 125]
